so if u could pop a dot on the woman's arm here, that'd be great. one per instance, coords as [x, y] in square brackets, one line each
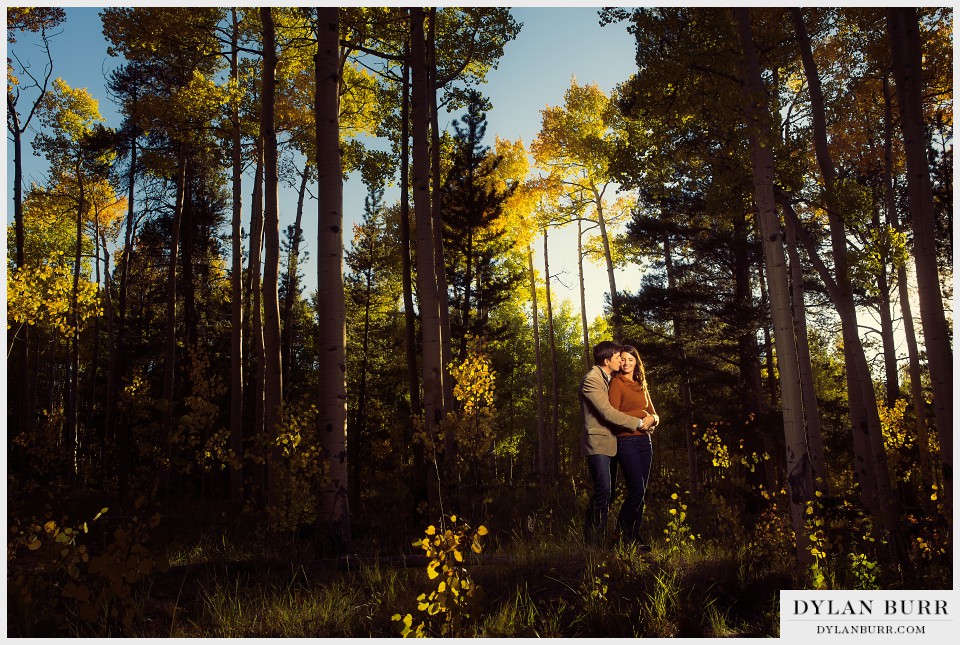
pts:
[652, 411]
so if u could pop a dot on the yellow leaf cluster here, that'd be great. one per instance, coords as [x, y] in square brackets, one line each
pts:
[71, 111]
[42, 296]
[446, 607]
[897, 434]
[474, 379]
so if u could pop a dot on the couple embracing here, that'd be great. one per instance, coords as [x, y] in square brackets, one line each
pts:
[618, 421]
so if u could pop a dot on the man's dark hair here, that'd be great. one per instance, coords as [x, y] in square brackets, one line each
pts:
[604, 351]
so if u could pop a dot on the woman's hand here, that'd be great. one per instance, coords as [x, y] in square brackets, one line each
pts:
[647, 423]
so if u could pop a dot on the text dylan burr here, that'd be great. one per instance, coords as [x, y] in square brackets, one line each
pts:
[868, 608]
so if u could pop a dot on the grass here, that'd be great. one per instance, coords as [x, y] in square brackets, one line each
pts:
[272, 610]
[270, 602]
[521, 617]
[535, 586]
[228, 580]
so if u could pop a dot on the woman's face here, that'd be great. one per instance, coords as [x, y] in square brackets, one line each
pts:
[627, 363]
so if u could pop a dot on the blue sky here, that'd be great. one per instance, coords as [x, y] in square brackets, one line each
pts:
[554, 44]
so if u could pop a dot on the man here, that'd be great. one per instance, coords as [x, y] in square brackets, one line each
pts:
[597, 442]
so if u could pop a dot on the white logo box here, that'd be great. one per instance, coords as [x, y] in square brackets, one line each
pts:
[887, 616]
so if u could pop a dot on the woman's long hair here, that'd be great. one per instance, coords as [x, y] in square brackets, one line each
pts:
[639, 373]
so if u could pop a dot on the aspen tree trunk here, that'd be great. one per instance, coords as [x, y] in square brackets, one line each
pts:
[256, 313]
[236, 283]
[413, 380]
[272, 369]
[20, 340]
[587, 360]
[187, 235]
[93, 372]
[767, 341]
[772, 466]
[292, 282]
[427, 290]
[17, 130]
[907, 59]
[686, 396]
[748, 357]
[169, 366]
[553, 456]
[608, 257]
[115, 430]
[885, 506]
[71, 425]
[357, 428]
[748, 349]
[862, 397]
[757, 120]
[334, 515]
[421, 485]
[811, 411]
[542, 442]
[927, 473]
[450, 448]
[111, 323]
[865, 467]
[891, 376]
[103, 295]
[467, 292]
[865, 433]
[483, 312]
[913, 353]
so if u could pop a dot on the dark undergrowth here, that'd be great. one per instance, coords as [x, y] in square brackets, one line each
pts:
[204, 570]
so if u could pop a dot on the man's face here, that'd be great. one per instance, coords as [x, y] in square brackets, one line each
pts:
[614, 363]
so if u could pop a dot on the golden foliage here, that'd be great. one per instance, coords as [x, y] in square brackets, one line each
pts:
[474, 378]
[41, 296]
[70, 112]
[301, 468]
[475, 381]
[448, 607]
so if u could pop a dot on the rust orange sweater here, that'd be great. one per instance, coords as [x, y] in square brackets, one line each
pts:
[629, 396]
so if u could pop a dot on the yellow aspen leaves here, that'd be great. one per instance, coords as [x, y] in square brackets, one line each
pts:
[452, 600]
[474, 379]
[40, 296]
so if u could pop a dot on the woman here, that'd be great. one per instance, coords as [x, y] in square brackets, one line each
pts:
[629, 394]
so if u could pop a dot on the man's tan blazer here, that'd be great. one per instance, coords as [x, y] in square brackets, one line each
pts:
[600, 419]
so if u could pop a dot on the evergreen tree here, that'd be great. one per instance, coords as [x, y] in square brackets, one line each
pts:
[480, 267]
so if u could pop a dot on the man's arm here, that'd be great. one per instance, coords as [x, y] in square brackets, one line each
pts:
[595, 392]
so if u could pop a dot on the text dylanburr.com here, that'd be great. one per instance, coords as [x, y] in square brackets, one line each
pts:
[926, 614]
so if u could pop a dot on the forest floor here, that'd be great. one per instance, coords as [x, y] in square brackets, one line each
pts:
[530, 587]
[203, 570]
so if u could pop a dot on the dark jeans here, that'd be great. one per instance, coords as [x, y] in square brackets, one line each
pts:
[603, 473]
[634, 456]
